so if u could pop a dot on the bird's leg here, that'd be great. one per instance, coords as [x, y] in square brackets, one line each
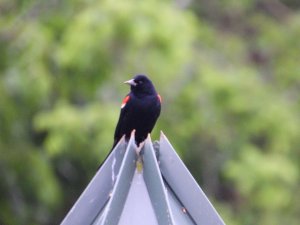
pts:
[139, 148]
[139, 161]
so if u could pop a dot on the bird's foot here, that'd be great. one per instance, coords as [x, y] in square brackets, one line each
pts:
[139, 161]
[139, 148]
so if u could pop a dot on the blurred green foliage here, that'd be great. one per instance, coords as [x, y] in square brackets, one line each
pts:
[229, 74]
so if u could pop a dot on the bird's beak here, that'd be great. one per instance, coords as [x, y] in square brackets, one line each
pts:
[130, 82]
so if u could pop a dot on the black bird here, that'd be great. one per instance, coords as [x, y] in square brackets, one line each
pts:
[139, 110]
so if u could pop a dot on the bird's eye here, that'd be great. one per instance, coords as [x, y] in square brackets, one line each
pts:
[140, 81]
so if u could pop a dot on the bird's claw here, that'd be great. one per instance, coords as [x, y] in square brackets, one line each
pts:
[139, 148]
[139, 161]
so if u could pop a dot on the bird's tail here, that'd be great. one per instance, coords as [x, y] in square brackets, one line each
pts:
[114, 145]
[112, 148]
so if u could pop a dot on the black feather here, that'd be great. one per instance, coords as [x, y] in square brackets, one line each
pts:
[140, 112]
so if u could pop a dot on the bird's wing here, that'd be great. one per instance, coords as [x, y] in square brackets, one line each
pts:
[122, 119]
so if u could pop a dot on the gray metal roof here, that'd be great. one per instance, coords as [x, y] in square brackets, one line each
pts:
[149, 188]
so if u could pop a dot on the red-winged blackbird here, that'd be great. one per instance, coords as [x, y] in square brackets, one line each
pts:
[139, 110]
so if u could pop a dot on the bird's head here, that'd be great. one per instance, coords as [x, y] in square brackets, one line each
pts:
[140, 85]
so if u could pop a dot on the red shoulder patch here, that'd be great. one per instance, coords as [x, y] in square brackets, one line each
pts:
[125, 100]
[159, 98]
